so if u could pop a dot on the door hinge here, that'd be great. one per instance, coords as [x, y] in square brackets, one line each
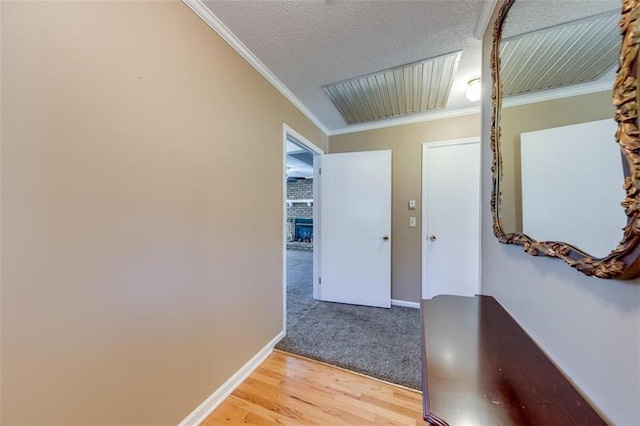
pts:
[319, 280]
[319, 170]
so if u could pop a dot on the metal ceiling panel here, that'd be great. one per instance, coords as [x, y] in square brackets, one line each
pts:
[417, 87]
[572, 53]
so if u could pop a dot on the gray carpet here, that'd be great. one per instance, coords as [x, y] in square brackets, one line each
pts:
[382, 343]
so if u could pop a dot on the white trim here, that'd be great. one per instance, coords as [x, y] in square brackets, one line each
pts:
[310, 146]
[203, 411]
[406, 304]
[423, 255]
[461, 141]
[546, 95]
[488, 6]
[285, 228]
[317, 184]
[563, 92]
[408, 119]
[287, 132]
[212, 20]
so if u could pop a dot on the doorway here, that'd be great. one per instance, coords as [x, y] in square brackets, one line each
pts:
[301, 212]
[451, 218]
[383, 343]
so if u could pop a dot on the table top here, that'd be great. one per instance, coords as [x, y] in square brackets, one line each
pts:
[480, 367]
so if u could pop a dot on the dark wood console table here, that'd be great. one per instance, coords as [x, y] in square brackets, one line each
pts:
[481, 368]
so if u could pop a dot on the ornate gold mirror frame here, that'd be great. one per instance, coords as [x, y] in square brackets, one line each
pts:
[623, 262]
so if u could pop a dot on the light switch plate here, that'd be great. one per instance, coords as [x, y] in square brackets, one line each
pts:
[412, 222]
[412, 204]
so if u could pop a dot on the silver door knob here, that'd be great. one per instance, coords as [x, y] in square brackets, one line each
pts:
[386, 238]
[432, 237]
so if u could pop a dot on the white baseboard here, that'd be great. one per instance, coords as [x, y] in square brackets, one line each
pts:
[404, 303]
[203, 411]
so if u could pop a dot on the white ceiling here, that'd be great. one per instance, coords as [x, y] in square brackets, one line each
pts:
[299, 162]
[309, 44]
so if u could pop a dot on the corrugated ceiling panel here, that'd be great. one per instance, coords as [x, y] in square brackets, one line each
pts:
[417, 87]
[576, 52]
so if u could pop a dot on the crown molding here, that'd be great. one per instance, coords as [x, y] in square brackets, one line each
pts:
[488, 6]
[546, 95]
[408, 119]
[562, 92]
[212, 20]
[483, 21]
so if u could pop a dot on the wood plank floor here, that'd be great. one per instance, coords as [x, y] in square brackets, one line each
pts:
[289, 390]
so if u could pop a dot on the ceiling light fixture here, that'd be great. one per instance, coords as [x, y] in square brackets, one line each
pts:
[473, 90]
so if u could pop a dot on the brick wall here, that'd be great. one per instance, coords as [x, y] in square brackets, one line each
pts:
[301, 189]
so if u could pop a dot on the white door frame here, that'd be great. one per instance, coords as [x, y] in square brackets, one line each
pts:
[425, 150]
[315, 151]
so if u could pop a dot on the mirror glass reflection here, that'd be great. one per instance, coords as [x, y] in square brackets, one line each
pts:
[561, 168]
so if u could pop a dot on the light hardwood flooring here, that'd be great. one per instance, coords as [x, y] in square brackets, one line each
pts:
[289, 390]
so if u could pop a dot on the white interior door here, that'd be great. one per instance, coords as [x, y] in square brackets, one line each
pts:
[355, 228]
[451, 218]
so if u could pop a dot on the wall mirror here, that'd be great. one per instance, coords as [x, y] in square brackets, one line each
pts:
[564, 135]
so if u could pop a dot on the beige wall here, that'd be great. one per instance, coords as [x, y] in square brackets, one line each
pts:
[405, 142]
[541, 115]
[589, 327]
[138, 273]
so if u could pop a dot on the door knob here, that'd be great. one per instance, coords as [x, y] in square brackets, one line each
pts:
[432, 237]
[386, 238]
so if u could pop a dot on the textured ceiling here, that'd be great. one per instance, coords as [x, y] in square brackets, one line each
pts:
[309, 44]
[532, 15]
